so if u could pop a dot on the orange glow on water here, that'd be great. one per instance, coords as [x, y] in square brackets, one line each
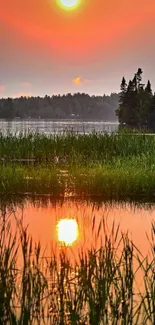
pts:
[68, 231]
[69, 4]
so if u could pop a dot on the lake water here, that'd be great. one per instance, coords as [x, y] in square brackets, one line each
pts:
[81, 225]
[43, 218]
[73, 224]
[55, 126]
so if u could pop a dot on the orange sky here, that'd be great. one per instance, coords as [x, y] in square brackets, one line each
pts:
[44, 48]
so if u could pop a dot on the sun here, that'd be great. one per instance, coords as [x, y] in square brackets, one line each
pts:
[68, 231]
[69, 4]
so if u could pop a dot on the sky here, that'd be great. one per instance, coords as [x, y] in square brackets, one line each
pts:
[45, 49]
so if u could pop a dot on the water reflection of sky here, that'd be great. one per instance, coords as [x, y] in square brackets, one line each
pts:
[67, 231]
[55, 126]
[82, 224]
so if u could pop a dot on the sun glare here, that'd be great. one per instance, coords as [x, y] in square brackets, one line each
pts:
[69, 4]
[68, 231]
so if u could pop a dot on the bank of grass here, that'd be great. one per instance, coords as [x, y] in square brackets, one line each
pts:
[16, 179]
[113, 166]
[73, 148]
[121, 180]
[97, 286]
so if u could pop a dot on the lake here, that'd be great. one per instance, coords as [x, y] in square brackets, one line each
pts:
[78, 256]
[74, 258]
[55, 126]
[43, 216]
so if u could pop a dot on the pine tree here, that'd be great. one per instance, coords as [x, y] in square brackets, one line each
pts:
[121, 107]
[151, 114]
[135, 104]
[130, 107]
[138, 76]
[148, 88]
[145, 99]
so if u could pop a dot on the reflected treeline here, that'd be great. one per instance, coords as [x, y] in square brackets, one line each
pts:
[66, 106]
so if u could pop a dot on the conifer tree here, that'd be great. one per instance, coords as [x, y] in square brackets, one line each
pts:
[145, 99]
[130, 107]
[138, 76]
[151, 114]
[121, 107]
[148, 88]
[136, 104]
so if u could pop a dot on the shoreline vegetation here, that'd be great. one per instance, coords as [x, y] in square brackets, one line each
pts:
[136, 103]
[98, 286]
[116, 166]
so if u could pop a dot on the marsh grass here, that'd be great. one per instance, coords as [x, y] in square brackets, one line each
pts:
[112, 166]
[74, 148]
[97, 286]
[125, 181]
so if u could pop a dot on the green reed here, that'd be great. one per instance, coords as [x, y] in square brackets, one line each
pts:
[120, 181]
[114, 166]
[74, 148]
[97, 286]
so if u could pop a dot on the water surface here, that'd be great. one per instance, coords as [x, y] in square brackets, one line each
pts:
[94, 221]
[55, 126]
[43, 221]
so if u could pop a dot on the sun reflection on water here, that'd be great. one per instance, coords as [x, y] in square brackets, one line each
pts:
[68, 231]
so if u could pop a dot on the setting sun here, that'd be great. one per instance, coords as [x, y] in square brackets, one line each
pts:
[68, 4]
[67, 231]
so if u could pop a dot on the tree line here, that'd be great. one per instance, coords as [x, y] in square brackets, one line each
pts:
[136, 103]
[79, 105]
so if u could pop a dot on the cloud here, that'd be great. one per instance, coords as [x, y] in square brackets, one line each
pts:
[26, 84]
[78, 81]
[21, 94]
[2, 88]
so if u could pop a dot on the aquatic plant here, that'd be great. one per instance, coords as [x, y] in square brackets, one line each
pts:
[126, 180]
[98, 286]
[71, 148]
[114, 166]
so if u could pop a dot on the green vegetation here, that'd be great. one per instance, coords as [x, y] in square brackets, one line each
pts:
[137, 103]
[96, 286]
[119, 182]
[71, 148]
[116, 166]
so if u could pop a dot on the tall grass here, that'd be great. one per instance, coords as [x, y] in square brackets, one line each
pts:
[99, 286]
[113, 166]
[125, 181]
[73, 148]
